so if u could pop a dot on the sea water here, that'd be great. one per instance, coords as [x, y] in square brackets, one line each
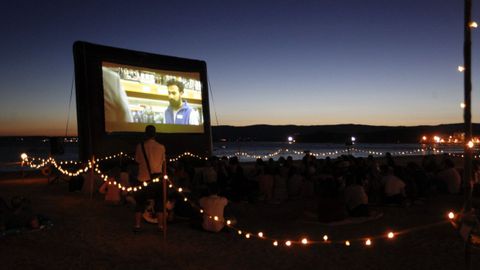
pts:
[12, 148]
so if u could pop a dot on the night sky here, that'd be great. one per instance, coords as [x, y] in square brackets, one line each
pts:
[383, 62]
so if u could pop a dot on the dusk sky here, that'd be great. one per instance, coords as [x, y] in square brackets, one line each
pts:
[379, 62]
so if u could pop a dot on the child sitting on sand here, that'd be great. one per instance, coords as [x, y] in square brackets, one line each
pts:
[356, 198]
[19, 216]
[213, 207]
[394, 187]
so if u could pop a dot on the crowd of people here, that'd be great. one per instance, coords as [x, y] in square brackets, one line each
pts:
[344, 187]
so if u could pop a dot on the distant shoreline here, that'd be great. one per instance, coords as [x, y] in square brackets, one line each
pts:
[339, 133]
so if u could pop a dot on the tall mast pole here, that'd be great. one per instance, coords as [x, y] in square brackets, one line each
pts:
[467, 116]
[467, 113]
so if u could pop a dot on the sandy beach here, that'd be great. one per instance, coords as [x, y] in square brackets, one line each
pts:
[89, 234]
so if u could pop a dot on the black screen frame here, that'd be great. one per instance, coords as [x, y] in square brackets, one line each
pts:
[94, 141]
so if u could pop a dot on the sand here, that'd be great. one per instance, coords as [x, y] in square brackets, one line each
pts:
[89, 234]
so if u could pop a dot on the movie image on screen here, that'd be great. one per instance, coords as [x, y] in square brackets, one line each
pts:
[135, 96]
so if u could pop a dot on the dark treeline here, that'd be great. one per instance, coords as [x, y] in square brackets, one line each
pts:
[316, 134]
[335, 133]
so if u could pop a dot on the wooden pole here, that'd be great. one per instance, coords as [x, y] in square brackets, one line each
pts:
[164, 187]
[91, 176]
[467, 116]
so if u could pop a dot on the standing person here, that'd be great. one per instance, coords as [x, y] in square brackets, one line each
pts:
[178, 111]
[150, 156]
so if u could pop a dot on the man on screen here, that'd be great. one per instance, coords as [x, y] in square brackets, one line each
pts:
[179, 112]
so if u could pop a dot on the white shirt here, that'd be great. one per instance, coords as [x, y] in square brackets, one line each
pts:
[156, 156]
[354, 196]
[393, 185]
[209, 175]
[452, 179]
[213, 206]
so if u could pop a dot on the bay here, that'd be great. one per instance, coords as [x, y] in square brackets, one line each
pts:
[12, 148]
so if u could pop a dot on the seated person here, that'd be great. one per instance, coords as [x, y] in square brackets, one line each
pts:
[394, 188]
[356, 199]
[19, 216]
[112, 192]
[331, 204]
[213, 205]
[449, 178]
[4, 214]
[295, 182]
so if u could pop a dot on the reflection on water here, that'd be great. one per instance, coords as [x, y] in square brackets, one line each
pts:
[12, 148]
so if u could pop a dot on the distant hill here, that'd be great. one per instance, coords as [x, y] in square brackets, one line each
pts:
[335, 133]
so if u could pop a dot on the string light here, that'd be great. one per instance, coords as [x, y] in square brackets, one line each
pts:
[39, 163]
[470, 144]
[95, 166]
[461, 68]
[473, 24]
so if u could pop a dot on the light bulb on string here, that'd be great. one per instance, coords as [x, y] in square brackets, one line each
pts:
[470, 144]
